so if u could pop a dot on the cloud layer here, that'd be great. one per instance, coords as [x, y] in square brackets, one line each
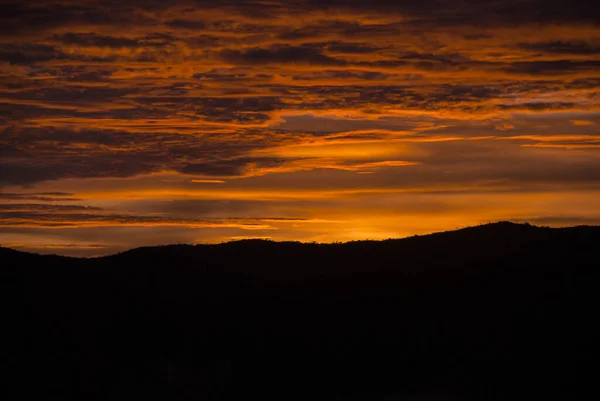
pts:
[329, 117]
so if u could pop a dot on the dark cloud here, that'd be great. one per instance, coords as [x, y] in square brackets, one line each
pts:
[410, 97]
[29, 155]
[39, 196]
[84, 73]
[28, 17]
[352, 47]
[232, 167]
[220, 76]
[469, 92]
[243, 110]
[345, 29]
[24, 53]
[40, 207]
[93, 39]
[474, 12]
[19, 16]
[186, 24]
[562, 47]
[443, 58]
[45, 215]
[280, 54]
[29, 53]
[350, 74]
[268, 108]
[539, 106]
[74, 93]
[155, 40]
[555, 67]
[21, 171]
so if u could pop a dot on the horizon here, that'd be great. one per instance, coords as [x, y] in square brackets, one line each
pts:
[51, 250]
[203, 121]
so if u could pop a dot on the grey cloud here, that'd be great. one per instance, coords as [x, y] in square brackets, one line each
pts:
[280, 54]
[232, 167]
[46, 215]
[222, 109]
[358, 74]
[221, 76]
[24, 53]
[84, 73]
[562, 47]
[93, 39]
[29, 155]
[19, 16]
[41, 207]
[29, 53]
[186, 24]
[39, 196]
[442, 13]
[538, 106]
[556, 67]
[352, 47]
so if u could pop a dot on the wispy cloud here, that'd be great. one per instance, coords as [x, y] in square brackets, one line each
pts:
[294, 102]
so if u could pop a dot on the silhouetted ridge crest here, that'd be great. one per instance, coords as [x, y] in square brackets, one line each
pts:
[499, 311]
[503, 229]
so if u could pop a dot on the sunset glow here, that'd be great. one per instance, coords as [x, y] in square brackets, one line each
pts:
[140, 123]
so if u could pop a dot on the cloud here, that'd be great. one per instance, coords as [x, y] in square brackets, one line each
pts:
[204, 181]
[280, 54]
[19, 17]
[39, 196]
[422, 14]
[351, 47]
[582, 122]
[562, 47]
[61, 216]
[186, 24]
[95, 40]
[307, 108]
[233, 167]
[562, 221]
[44, 207]
[30, 53]
[462, 12]
[346, 75]
[538, 106]
[554, 67]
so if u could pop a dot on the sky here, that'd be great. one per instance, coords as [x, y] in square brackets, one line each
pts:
[135, 123]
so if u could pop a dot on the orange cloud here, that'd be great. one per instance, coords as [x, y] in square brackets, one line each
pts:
[114, 121]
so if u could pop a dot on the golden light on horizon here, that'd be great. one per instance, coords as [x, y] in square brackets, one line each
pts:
[311, 120]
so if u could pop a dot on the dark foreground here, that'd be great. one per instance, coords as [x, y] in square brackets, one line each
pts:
[496, 312]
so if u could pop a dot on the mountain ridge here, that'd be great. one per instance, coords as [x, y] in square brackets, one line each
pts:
[500, 227]
[499, 312]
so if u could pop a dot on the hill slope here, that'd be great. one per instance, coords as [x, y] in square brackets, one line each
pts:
[500, 311]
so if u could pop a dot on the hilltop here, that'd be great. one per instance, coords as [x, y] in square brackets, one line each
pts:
[500, 311]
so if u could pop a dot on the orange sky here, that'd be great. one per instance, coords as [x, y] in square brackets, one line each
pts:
[205, 121]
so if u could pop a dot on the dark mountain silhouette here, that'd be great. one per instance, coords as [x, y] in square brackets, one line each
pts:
[496, 312]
